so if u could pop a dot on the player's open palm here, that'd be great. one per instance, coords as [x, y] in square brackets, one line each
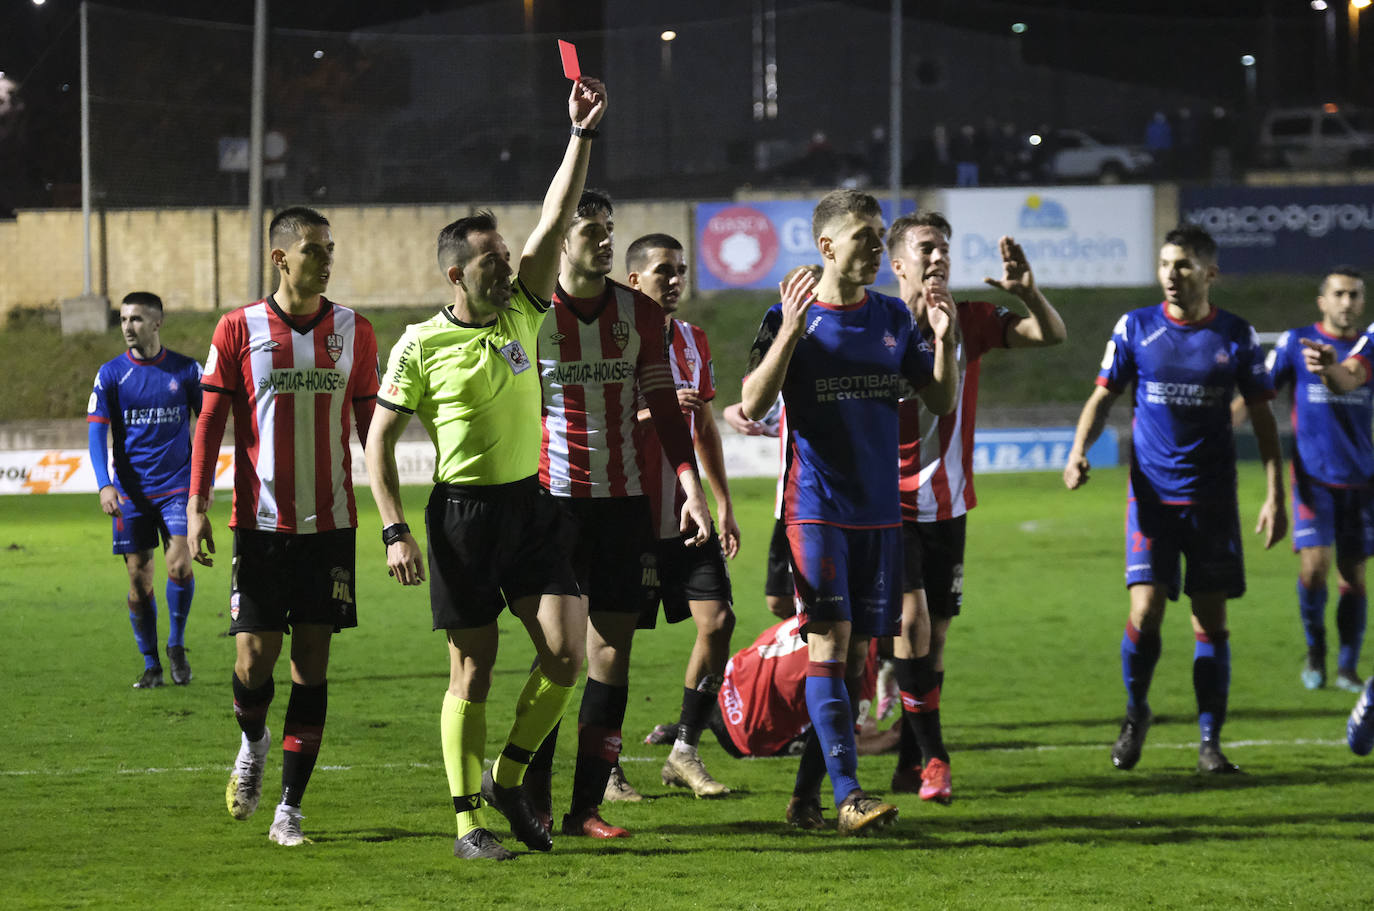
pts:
[1016, 271]
[797, 297]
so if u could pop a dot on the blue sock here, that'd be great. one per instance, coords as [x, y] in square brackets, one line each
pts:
[1312, 610]
[143, 618]
[1350, 621]
[827, 701]
[1211, 683]
[179, 595]
[1139, 654]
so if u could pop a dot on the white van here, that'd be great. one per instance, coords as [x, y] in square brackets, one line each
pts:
[1317, 137]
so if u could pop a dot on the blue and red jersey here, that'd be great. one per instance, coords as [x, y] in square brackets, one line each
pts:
[1332, 429]
[1185, 376]
[149, 407]
[841, 392]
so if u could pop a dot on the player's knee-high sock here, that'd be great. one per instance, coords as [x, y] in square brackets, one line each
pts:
[302, 731]
[143, 618]
[598, 741]
[908, 749]
[811, 768]
[250, 707]
[696, 712]
[1350, 620]
[538, 709]
[463, 734]
[917, 679]
[828, 704]
[1139, 654]
[1211, 682]
[179, 594]
[1312, 611]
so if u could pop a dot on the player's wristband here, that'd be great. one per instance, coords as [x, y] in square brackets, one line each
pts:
[585, 132]
[394, 532]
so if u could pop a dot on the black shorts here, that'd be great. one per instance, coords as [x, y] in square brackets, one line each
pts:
[777, 583]
[488, 546]
[934, 560]
[688, 574]
[277, 580]
[613, 557]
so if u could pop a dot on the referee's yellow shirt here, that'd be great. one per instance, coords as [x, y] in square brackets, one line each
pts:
[475, 389]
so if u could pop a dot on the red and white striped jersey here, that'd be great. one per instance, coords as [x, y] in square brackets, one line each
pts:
[937, 453]
[689, 359]
[597, 358]
[293, 391]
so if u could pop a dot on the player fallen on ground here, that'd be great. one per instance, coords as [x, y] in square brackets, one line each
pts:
[1186, 360]
[693, 581]
[147, 396]
[937, 478]
[837, 352]
[297, 371]
[602, 348]
[494, 538]
[1333, 464]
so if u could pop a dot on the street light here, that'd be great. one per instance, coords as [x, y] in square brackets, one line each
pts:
[1248, 62]
[666, 38]
[1353, 12]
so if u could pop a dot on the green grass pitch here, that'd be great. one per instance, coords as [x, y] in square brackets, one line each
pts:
[113, 798]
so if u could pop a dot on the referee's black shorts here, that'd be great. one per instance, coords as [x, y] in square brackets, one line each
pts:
[490, 545]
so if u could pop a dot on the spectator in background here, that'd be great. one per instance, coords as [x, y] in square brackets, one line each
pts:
[1159, 142]
[966, 155]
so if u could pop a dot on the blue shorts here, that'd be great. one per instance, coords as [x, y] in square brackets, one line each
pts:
[144, 523]
[1206, 534]
[852, 574]
[1325, 516]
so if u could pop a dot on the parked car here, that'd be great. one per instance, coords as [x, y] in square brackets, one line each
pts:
[1092, 155]
[1323, 136]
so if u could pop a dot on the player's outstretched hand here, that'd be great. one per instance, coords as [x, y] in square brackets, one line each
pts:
[587, 103]
[797, 297]
[109, 501]
[198, 531]
[1017, 277]
[1076, 472]
[404, 561]
[1273, 522]
[1317, 355]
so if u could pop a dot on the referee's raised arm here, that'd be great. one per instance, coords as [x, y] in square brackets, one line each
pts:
[539, 260]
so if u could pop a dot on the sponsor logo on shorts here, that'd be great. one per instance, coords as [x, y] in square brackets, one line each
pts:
[342, 585]
[234, 606]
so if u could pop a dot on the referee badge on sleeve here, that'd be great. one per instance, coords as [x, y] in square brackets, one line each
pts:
[516, 357]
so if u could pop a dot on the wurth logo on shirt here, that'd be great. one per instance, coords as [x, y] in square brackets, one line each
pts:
[315, 379]
[569, 373]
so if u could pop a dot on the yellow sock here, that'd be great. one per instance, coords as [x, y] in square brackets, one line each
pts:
[538, 709]
[463, 731]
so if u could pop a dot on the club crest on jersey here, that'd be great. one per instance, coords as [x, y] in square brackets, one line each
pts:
[516, 357]
[172, 385]
[620, 333]
[888, 340]
[1223, 357]
[690, 357]
[333, 346]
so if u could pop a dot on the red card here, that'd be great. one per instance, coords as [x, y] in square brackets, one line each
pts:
[568, 51]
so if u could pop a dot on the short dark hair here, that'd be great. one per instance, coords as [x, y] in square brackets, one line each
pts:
[594, 202]
[928, 219]
[1195, 239]
[454, 249]
[638, 252]
[841, 202]
[293, 222]
[1347, 271]
[142, 299]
